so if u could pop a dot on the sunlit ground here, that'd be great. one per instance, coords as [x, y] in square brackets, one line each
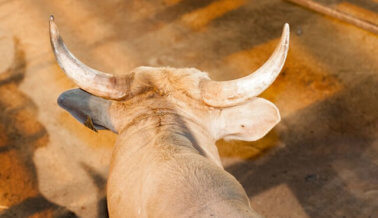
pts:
[320, 161]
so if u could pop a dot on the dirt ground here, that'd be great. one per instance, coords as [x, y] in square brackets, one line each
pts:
[320, 161]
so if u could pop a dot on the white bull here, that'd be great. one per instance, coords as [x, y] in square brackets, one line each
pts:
[165, 162]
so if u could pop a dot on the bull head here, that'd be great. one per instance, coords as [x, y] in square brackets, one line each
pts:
[237, 112]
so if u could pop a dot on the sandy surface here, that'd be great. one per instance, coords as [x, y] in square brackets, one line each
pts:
[320, 161]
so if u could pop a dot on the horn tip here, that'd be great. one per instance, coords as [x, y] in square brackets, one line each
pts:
[53, 28]
[286, 27]
[286, 34]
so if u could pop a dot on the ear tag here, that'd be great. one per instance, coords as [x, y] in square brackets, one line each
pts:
[88, 123]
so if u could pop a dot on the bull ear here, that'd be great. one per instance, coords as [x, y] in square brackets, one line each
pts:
[90, 110]
[248, 122]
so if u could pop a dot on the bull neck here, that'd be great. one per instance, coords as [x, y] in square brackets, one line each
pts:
[144, 131]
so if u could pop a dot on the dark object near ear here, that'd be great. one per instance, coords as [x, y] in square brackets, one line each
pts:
[90, 110]
[89, 123]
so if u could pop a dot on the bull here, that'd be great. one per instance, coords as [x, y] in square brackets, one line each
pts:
[165, 162]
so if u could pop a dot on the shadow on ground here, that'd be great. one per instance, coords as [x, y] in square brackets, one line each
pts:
[21, 134]
[328, 159]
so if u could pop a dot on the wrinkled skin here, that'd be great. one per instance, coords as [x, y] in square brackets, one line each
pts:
[165, 162]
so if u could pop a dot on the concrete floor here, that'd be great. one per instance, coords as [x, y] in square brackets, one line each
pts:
[320, 161]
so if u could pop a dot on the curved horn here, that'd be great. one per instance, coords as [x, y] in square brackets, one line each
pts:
[91, 80]
[229, 93]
